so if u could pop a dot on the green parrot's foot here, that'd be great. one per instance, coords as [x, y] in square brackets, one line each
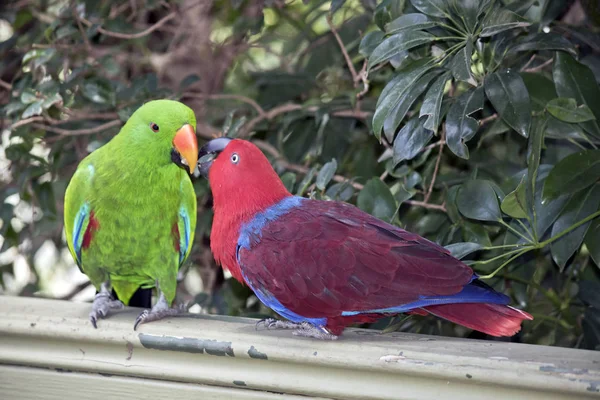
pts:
[103, 303]
[160, 310]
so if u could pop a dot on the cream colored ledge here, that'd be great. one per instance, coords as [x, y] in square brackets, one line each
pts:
[49, 350]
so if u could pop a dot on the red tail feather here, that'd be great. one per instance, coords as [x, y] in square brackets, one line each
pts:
[493, 319]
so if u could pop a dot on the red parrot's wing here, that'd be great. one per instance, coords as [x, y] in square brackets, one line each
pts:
[322, 259]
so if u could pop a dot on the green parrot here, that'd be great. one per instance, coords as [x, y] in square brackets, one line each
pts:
[130, 209]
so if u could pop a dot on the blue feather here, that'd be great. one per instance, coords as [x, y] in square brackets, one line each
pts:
[251, 231]
[474, 292]
[78, 229]
[184, 240]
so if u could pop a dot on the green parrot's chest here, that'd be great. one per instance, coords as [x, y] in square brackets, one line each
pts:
[135, 233]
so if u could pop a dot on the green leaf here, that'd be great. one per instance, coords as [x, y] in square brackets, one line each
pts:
[51, 100]
[393, 92]
[325, 174]
[545, 41]
[592, 241]
[566, 109]
[460, 127]
[477, 199]
[580, 206]
[404, 102]
[305, 182]
[508, 94]
[376, 199]
[467, 11]
[434, 8]
[369, 42]
[451, 207]
[432, 103]
[589, 293]
[476, 233]
[402, 193]
[410, 22]
[397, 43]
[336, 5]
[410, 140]
[93, 92]
[540, 89]
[382, 15]
[341, 191]
[572, 173]
[39, 56]
[289, 180]
[557, 129]
[461, 64]
[534, 150]
[28, 96]
[33, 109]
[575, 80]
[460, 250]
[501, 20]
[515, 203]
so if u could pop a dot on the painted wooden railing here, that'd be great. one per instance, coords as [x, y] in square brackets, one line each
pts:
[49, 350]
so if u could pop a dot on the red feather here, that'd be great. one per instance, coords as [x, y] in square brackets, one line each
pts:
[176, 237]
[91, 229]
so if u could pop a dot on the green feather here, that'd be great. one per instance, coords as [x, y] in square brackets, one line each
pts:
[137, 195]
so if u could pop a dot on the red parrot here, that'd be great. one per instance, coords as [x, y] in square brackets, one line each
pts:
[324, 265]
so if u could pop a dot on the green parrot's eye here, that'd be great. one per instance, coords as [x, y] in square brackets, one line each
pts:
[154, 127]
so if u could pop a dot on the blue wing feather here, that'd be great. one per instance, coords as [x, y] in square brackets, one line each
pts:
[184, 240]
[81, 220]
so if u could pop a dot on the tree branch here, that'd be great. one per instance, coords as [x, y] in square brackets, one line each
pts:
[138, 35]
[538, 67]
[238, 97]
[77, 132]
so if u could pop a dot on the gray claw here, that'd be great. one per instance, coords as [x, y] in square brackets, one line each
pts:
[103, 304]
[160, 310]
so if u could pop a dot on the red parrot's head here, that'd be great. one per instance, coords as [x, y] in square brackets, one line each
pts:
[242, 179]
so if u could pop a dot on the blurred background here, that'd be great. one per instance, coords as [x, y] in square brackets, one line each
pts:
[305, 81]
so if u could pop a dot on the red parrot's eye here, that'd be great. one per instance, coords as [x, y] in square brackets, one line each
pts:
[154, 127]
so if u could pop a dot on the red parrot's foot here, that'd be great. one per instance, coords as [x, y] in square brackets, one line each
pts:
[160, 310]
[103, 304]
[316, 332]
[305, 329]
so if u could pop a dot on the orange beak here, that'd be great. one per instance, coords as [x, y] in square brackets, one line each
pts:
[186, 144]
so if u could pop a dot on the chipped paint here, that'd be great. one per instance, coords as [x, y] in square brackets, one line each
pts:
[253, 353]
[239, 383]
[391, 358]
[129, 347]
[574, 371]
[186, 345]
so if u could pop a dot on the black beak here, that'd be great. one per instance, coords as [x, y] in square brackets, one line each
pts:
[213, 147]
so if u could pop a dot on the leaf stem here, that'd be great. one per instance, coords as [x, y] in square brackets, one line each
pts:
[526, 230]
[504, 264]
[504, 246]
[508, 253]
[569, 229]
[450, 38]
[513, 230]
[454, 30]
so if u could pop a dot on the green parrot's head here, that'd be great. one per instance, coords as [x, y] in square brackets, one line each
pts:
[163, 130]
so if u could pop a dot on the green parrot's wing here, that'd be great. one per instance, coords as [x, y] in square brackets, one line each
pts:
[186, 223]
[79, 218]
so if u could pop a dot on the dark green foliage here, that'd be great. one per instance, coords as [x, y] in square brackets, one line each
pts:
[473, 123]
